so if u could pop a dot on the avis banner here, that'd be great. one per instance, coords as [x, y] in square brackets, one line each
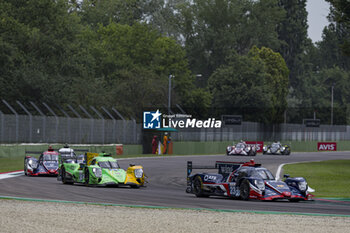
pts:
[259, 145]
[326, 146]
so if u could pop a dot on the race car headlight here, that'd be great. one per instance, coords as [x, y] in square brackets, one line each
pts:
[302, 186]
[260, 184]
[33, 163]
[283, 148]
[264, 148]
[229, 148]
[97, 172]
[138, 173]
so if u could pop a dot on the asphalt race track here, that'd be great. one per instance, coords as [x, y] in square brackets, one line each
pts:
[167, 184]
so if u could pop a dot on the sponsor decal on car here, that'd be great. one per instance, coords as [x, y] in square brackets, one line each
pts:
[209, 178]
[326, 146]
[258, 144]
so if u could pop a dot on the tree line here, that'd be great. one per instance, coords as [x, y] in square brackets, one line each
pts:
[252, 58]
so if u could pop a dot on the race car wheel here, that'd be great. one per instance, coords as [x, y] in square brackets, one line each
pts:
[197, 187]
[64, 177]
[25, 168]
[244, 190]
[87, 177]
[251, 153]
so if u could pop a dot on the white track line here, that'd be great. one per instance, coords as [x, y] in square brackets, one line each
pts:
[281, 166]
[278, 173]
[11, 175]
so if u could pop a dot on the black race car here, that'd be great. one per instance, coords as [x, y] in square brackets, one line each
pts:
[245, 180]
[277, 148]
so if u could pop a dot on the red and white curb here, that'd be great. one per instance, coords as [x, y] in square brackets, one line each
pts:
[6, 175]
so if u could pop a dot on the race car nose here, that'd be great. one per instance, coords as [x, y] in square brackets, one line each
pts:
[287, 194]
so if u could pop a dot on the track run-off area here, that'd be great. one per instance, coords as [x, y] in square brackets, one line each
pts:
[167, 183]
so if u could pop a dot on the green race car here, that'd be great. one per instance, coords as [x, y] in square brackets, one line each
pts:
[100, 169]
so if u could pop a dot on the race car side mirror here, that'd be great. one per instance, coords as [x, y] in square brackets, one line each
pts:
[286, 176]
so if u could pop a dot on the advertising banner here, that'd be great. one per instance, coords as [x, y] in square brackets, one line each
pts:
[259, 145]
[326, 146]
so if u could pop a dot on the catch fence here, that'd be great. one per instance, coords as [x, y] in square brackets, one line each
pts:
[54, 129]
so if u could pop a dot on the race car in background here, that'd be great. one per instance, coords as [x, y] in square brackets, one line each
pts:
[241, 148]
[276, 148]
[46, 164]
[100, 169]
[244, 180]
[67, 154]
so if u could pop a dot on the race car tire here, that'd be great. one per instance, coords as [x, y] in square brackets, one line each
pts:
[197, 187]
[244, 190]
[25, 168]
[286, 152]
[64, 177]
[87, 177]
[251, 153]
[294, 200]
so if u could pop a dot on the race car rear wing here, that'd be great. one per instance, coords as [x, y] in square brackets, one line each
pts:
[224, 167]
[69, 154]
[40, 152]
[190, 167]
[33, 152]
[81, 150]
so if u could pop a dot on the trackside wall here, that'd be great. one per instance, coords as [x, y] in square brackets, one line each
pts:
[183, 148]
[180, 148]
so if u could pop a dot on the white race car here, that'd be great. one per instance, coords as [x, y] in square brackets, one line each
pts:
[241, 148]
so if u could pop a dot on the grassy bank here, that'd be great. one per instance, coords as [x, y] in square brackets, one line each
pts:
[328, 178]
[11, 164]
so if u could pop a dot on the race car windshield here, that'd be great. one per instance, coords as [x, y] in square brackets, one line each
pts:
[108, 164]
[240, 146]
[275, 145]
[50, 157]
[263, 174]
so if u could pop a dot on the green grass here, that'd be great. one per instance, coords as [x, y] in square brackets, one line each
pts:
[328, 178]
[11, 164]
